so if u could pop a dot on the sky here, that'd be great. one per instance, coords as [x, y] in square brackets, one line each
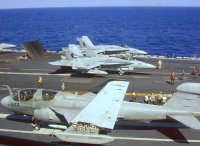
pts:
[4, 4]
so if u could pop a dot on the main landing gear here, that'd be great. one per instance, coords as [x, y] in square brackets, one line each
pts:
[36, 124]
[121, 72]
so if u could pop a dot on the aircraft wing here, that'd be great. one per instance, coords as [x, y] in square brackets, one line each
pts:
[188, 120]
[85, 65]
[103, 110]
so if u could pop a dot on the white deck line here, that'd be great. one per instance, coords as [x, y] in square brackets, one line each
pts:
[31, 69]
[36, 74]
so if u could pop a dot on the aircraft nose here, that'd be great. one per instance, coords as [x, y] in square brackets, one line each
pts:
[147, 65]
[142, 52]
[4, 102]
[151, 66]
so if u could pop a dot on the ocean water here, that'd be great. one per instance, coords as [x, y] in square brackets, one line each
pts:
[157, 30]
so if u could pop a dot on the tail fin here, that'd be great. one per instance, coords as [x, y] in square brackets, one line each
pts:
[84, 41]
[75, 50]
[68, 54]
[91, 52]
[81, 43]
[186, 98]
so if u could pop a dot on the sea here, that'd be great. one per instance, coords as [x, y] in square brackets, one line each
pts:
[168, 31]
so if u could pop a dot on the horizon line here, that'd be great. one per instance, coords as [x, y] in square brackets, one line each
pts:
[97, 7]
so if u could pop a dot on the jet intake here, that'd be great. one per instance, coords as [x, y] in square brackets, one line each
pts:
[46, 114]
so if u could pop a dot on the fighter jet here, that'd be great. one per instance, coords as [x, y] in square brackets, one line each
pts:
[85, 116]
[6, 46]
[94, 63]
[86, 43]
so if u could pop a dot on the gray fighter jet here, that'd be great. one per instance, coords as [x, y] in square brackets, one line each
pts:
[93, 62]
[86, 43]
[85, 116]
[5, 46]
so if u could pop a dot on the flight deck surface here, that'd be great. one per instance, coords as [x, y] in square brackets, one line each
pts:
[24, 74]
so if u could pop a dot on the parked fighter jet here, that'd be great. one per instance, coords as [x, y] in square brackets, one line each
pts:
[86, 43]
[6, 46]
[86, 115]
[92, 62]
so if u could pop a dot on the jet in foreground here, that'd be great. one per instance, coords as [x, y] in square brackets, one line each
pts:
[86, 43]
[85, 116]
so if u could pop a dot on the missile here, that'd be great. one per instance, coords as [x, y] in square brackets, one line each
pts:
[62, 127]
[96, 71]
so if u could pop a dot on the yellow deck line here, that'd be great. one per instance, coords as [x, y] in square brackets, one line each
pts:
[127, 94]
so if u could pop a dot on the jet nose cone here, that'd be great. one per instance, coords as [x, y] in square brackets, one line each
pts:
[151, 66]
[4, 102]
[142, 52]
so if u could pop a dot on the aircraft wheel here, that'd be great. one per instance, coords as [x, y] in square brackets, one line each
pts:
[120, 73]
[37, 127]
[36, 124]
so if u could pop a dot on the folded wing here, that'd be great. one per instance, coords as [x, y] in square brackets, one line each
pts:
[101, 112]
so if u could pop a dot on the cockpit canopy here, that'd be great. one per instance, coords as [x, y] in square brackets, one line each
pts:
[28, 94]
[48, 95]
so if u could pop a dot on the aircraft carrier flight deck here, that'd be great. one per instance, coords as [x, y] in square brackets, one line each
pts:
[21, 73]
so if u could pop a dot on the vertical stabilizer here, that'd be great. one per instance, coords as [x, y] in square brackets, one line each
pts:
[75, 50]
[90, 52]
[81, 43]
[68, 54]
[87, 42]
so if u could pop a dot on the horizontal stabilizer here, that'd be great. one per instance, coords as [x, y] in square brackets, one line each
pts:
[187, 120]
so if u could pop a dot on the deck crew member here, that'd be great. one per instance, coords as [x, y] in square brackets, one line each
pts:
[159, 64]
[146, 99]
[159, 98]
[194, 71]
[133, 97]
[182, 75]
[152, 98]
[172, 77]
[63, 86]
[164, 99]
[40, 81]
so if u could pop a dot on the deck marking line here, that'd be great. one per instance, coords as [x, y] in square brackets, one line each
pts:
[5, 68]
[37, 69]
[44, 74]
[152, 139]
